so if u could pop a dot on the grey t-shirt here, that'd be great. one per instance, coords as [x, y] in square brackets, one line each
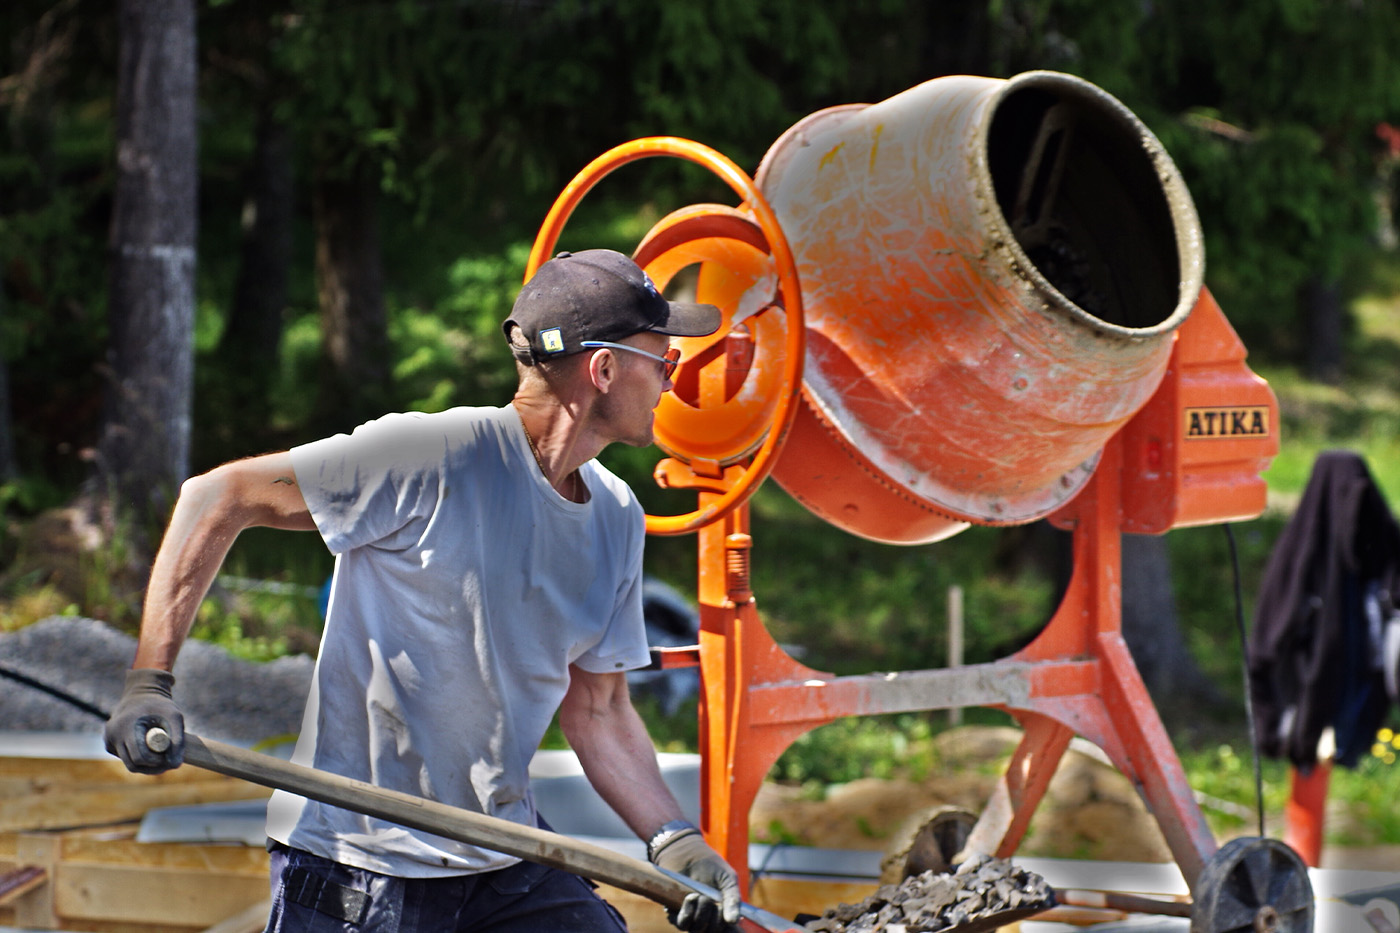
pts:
[464, 587]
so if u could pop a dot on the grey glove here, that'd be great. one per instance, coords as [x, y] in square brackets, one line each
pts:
[685, 852]
[146, 704]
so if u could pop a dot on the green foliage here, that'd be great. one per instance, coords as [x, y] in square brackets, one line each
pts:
[454, 353]
[29, 495]
[890, 610]
[1270, 108]
[1312, 62]
[1223, 778]
[1370, 792]
[1203, 585]
[52, 259]
[450, 351]
[1361, 812]
[1094, 39]
[1317, 214]
[225, 629]
[293, 398]
[1362, 413]
[419, 90]
[266, 602]
[857, 747]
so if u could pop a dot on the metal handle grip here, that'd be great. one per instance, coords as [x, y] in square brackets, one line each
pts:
[157, 740]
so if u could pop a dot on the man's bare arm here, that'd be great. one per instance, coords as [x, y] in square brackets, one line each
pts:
[617, 754]
[619, 760]
[211, 511]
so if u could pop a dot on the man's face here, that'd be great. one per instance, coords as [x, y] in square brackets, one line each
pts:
[637, 391]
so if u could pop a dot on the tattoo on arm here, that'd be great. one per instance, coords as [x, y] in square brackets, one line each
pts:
[285, 479]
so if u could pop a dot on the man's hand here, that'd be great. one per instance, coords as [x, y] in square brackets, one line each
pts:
[685, 852]
[146, 704]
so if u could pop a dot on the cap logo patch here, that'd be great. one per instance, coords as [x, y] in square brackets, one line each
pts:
[552, 340]
[651, 286]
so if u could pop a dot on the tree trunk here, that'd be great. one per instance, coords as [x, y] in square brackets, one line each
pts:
[143, 451]
[1153, 633]
[350, 286]
[1326, 326]
[249, 348]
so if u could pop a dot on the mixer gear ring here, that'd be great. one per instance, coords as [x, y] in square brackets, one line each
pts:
[766, 455]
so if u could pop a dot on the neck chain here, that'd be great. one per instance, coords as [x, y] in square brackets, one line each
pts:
[535, 451]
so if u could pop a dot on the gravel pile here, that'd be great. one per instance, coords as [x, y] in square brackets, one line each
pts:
[85, 661]
[979, 889]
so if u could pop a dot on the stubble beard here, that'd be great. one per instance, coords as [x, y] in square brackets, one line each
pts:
[642, 436]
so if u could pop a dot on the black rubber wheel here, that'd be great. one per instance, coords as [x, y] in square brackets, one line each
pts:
[939, 841]
[1253, 885]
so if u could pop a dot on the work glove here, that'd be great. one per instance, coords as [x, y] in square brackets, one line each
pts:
[685, 852]
[146, 704]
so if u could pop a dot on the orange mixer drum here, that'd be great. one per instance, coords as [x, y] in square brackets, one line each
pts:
[992, 272]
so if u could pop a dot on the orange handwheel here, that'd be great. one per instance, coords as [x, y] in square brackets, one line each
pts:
[724, 430]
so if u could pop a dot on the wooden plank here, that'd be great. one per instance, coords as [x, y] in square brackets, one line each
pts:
[18, 882]
[188, 897]
[125, 850]
[41, 772]
[788, 897]
[250, 920]
[642, 914]
[115, 859]
[61, 808]
[48, 793]
[36, 909]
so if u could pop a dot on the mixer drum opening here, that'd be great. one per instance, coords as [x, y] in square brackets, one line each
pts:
[1083, 199]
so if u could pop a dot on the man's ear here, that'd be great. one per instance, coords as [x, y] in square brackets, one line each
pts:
[602, 369]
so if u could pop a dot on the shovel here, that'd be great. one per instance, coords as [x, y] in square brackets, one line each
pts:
[525, 842]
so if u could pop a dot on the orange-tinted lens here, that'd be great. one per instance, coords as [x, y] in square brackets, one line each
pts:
[673, 359]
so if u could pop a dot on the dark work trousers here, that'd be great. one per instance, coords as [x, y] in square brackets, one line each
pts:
[311, 894]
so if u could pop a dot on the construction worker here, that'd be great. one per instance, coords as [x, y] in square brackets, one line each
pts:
[488, 573]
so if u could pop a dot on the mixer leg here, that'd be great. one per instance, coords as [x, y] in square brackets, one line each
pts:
[1141, 748]
[1008, 813]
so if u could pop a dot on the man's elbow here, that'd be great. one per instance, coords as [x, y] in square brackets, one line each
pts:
[214, 499]
[202, 493]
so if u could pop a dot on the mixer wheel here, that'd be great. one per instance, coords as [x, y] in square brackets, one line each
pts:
[1253, 885]
[933, 846]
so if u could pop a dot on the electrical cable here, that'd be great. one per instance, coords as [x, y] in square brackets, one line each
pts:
[55, 692]
[1244, 666]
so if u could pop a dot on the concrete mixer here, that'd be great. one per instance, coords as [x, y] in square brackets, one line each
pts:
[977, 302]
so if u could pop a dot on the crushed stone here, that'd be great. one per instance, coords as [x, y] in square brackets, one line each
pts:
[978, 889]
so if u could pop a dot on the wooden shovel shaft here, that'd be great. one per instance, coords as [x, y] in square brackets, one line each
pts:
[525, 842]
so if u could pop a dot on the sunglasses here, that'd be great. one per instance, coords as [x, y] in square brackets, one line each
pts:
[669, 362]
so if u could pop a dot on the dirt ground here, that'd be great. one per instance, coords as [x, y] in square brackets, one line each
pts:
[1091, 811]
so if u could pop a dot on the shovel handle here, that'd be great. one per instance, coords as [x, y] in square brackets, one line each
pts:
[157, 740]
[525, 842]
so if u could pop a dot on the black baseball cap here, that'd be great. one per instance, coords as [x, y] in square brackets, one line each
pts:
[597, 294]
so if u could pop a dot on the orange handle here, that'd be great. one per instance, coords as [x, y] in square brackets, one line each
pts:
[791, 382]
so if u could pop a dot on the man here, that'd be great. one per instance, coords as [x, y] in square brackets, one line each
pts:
[488, 573]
